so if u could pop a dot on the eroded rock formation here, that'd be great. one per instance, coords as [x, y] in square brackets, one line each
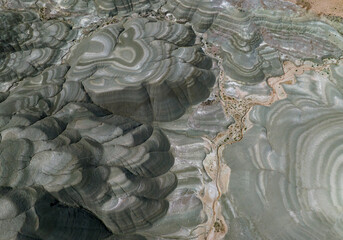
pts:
[138, 120]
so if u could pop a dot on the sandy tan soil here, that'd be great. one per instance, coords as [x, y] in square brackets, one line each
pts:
[326, 7]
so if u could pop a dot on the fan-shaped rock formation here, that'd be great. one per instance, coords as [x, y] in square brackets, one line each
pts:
[137, 119]
[114, 167]
[254, 41]
[115, 7]
[28, 45]
[27, 214]
[143, 69]
[286, 178]
[97, 7]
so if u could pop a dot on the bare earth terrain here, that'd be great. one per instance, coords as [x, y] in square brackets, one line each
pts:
[328, 7]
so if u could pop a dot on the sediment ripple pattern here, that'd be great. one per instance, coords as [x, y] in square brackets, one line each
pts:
[36, 97]
[116, 168]
[97, 7]
[287, 172]
[30, 213]
[253, 41]
[115, 7]
[71, 155]
[28, 45]
[144, 69]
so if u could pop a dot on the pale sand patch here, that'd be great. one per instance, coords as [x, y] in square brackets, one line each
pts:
[326, 7]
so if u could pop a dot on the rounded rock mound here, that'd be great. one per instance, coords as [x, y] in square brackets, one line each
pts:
[286, 177]
[145, 69]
